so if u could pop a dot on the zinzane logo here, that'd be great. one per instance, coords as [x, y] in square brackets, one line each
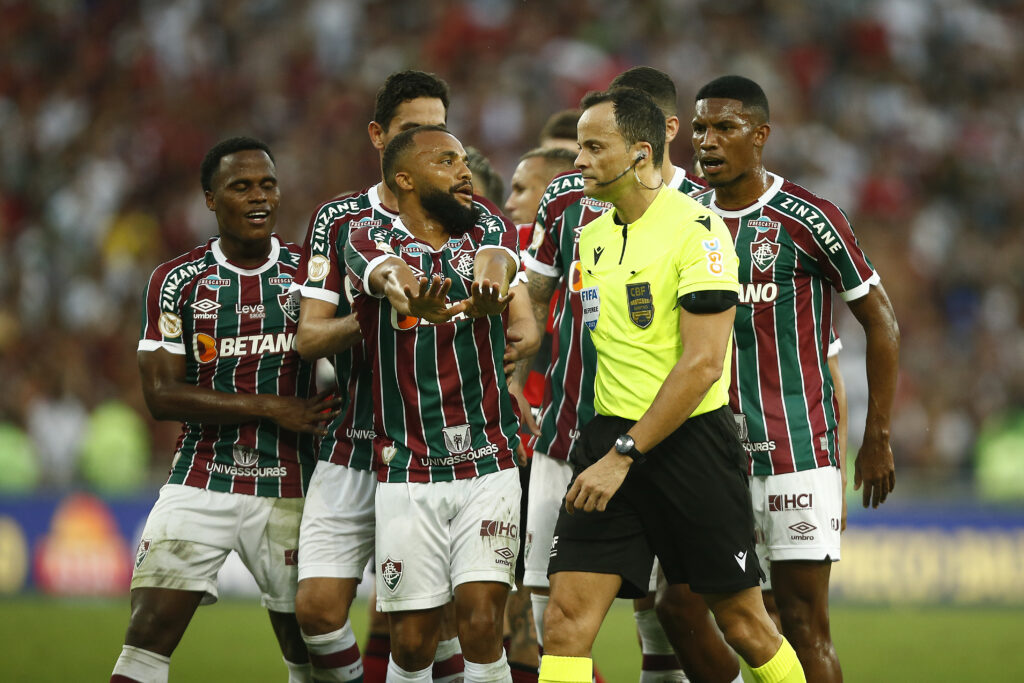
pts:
[758, 292]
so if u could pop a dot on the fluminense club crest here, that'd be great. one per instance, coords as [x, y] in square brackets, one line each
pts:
[763, 253]
[391, 573]
[289, 305]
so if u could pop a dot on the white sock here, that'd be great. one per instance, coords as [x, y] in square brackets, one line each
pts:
[659, 662]
[495, 672]
[335, 655]
[540, 603]
[142, 665]
[299, 673]
[448, 664]
[397, 674]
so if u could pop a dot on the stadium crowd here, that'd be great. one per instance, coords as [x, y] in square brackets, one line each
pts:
[909, 115]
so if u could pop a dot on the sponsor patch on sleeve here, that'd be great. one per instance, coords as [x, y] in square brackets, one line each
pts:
[591, 307]
[318, 268]
[169, 325]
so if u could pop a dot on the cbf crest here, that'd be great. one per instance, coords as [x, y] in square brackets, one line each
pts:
[391, 573]
[640, 303]
[456, 439]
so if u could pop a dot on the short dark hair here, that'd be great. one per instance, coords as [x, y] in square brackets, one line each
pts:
[396, 150]
[404, 86]
[561, 125]
[211, 162]
[486, 180]
[559, 157]
[656, 84]
[749, 93]
[637, 117]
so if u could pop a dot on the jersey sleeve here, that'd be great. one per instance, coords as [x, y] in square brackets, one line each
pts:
[367, 248]
[162, 315]
[543, 254]
[837, 251]
[497, 232]
[321, 271]
[706, 258]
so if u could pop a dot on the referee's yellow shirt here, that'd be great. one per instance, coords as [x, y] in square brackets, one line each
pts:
[632, 278]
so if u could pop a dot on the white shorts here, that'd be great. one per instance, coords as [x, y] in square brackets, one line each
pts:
[797, 516]
[336, 536]
[433, 537]
[190, 532]
[549, 480]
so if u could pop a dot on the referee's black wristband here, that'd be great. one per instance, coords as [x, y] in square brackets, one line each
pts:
[709, 301]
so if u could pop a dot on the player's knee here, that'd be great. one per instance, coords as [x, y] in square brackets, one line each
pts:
[317, 613]
[483, 625]
[559, 625]
[413, 649]
[153, 631]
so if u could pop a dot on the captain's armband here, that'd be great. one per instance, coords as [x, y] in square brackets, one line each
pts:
[709, 301]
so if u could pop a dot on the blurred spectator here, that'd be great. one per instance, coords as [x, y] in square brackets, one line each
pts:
[910, 113]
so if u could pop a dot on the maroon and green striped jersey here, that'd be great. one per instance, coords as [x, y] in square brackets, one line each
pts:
[442, 410]
[236, 327]
[321, 275]
[794, 249]
[569, 381]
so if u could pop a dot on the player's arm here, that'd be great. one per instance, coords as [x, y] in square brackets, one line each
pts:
[874, 466]
[320, 334]
[839, 385]
[540, 289]
[170, 397]
[522, 333]
[705, 340]
[493, 271]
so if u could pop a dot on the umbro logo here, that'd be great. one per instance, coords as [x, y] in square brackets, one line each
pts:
[205, 305]
[597, 254]
[741, 560]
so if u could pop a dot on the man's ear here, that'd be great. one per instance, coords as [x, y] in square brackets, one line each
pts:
[209, 200]
[671, 129]
[403, 179]
[761, 133]
[376, 133]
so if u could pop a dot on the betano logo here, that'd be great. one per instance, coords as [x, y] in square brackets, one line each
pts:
[206, 348]
[758, 292]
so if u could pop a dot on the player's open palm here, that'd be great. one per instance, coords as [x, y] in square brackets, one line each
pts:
[430, 300]
[874, 469]
[596, 485]
[485, 299]
[310, 415]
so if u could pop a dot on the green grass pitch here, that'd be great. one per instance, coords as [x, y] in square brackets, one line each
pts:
[43, 640]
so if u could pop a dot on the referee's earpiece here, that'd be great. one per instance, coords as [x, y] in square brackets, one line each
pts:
[639, 157]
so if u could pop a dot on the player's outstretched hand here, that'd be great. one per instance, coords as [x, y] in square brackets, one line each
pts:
[430, 301]
[874, 469]
[485, 299]
[597, 484]
[513, 352]
[309, 415]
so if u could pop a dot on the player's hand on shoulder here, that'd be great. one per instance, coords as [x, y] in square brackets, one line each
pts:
[485, 298]
[309, 415]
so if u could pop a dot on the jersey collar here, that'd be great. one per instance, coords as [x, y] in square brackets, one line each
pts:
[275, 249]
[377, 205]
[762, 201]
[678, 176]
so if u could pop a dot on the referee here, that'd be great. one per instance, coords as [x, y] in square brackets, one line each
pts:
[660, 469]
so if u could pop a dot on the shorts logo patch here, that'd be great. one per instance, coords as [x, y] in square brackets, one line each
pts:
[640, 303]
[318, 268]
[506, 555]
[792, 501]
[741, 559]
[491, 527]
[391, 573]
[140, 554]
[802, 527]
[291, 557]
[457, 439]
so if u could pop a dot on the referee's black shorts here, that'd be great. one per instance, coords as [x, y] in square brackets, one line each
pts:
[688, 504]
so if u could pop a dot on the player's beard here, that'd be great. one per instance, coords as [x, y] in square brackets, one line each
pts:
[455, 217]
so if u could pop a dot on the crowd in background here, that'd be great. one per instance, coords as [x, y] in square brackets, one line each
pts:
[907, 113]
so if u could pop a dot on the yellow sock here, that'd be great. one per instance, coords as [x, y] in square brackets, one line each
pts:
[565, 669]
[784, 667]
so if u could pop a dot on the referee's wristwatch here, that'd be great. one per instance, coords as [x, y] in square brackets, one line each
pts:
[624, 445]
